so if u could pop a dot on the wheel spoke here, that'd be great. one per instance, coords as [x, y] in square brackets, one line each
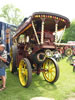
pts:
[51, 76]
[25, 72]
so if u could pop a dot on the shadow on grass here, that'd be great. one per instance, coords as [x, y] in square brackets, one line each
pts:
[39, 81]
[15, 91]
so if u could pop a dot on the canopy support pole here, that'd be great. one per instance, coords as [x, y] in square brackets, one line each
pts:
[62, 34]
[56, 29]
[42, 30]
[35, 33]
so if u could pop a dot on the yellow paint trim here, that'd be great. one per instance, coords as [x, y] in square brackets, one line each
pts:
[22, 31]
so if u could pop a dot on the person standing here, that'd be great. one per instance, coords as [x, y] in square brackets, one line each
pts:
[3, 60]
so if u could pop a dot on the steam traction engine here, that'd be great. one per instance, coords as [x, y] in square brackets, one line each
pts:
[34, 43]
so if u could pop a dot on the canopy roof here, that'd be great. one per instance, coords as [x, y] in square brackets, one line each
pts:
[50, 20]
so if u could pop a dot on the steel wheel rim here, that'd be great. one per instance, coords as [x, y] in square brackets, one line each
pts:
[50, 70]
[23, 73]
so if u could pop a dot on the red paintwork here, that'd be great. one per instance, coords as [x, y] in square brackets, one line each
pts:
[49, 39]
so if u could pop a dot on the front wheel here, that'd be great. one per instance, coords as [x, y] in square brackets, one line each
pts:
[25, 72]
[51, 70]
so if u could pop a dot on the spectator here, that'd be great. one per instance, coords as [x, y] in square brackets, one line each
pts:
[3, 60]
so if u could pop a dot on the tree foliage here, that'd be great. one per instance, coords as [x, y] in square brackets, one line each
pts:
[69, 34]
[11, 14]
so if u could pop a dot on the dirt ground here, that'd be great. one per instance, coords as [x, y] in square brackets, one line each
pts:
[41, 98]
[71, 97]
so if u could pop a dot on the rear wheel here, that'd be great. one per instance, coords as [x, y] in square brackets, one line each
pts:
[51, 72]
[25, 72]
[13, 52]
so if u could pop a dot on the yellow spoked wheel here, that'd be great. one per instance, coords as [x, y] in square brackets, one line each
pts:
[51, 72]
[25, 72]
[13, 52]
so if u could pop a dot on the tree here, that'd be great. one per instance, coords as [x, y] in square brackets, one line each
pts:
[11, 14]
[69, 34]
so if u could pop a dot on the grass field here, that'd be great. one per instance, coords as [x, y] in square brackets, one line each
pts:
[62, 89]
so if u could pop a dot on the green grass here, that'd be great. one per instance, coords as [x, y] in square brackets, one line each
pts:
[61, 90]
